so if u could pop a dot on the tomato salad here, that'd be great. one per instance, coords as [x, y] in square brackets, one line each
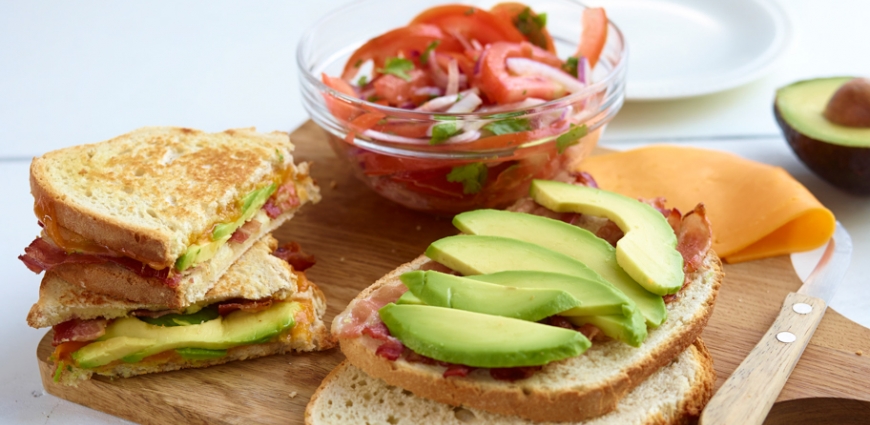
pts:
[459, 59]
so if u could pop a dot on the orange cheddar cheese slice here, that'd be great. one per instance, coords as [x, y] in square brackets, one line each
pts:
[756, 210]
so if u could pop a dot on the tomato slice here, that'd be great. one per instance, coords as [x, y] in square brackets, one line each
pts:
[399, 92]
[339, 108]
[404, 41]
[501, 87]
[470, 23]
[594, 35]
[524, 19]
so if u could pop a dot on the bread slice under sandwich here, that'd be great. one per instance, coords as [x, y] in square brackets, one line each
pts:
[257, 275]
[150, 194]
[577, 388]
[674, 394]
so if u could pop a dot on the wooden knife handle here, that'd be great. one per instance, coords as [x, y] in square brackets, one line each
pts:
[748, 394]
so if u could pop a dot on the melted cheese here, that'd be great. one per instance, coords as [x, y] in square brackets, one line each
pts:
[756, 210]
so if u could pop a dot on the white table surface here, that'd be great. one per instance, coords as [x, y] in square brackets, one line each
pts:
[80, 72]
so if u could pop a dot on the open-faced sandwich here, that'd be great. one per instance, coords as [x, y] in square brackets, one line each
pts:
[577, 305]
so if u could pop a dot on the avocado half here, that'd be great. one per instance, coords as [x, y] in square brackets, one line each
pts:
[837, 153]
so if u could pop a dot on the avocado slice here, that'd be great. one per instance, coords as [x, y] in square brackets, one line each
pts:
[251, 204]
[131, 339]
[479, 340]
[647, 252]
[409, 298]
[444, 290]
[626, 329]
[837, 153]
[595, 298]
[200, 353]
[472, 255]
[575, 242]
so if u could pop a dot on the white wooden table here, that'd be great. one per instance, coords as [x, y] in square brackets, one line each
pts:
[81, 72]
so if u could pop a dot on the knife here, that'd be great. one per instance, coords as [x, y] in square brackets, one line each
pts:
[748, 394]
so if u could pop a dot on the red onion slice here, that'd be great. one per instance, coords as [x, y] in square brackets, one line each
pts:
[452, 77]
[523, 66]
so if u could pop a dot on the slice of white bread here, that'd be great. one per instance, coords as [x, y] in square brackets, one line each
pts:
[256, 275]
[152, 192]
[674, 394]
[116, 281]
[574, 389]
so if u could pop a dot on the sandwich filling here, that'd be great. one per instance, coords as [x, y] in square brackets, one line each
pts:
[373, 316]
[58, 246]
[195, 335]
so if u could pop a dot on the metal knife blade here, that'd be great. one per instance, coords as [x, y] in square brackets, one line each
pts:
[829, 272]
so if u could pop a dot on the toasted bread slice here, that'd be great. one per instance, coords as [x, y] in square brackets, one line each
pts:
[115, 281]
[151, 193]
[674, 394]
[577, 388]
[256, 275]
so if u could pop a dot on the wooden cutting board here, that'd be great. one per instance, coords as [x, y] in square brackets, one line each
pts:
[358, 236]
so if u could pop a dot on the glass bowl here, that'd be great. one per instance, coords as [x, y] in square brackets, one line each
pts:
[390, 149]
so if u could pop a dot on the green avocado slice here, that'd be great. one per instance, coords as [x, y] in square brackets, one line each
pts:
[251, 204]
[573, 241]
[132, 340]
[595, 299]
[647, 252]
[479, 340]
[626, 329]
[444, 290]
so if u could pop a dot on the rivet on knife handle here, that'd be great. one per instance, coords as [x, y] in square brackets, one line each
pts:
[747, 396]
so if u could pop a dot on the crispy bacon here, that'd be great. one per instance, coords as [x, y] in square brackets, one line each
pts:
[694, 238]
[378, 331]
[458, 370]
[245, 231]
[79, 330]
[513, 373]
[41, 256]
[229, 306]
[590, 331]
[559, 322]
[292, 253]
[390, 349]
[363, 312]
[284, 199]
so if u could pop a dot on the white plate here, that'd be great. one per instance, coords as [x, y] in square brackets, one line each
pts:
[682, 48]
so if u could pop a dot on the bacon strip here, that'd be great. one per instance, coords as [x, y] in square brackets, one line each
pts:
[512, 374]
[694, 238]
[245, 231]
[79, 330]
[229, 306]
[284, 199]
[292, 253]
[42, 256]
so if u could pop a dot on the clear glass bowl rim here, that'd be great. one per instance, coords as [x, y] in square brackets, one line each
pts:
[302, 65]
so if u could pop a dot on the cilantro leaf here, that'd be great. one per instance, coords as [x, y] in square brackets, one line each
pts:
[571, 137]
[570, 66]
[443, 131]
[504, 115]
[508, 126]
[472, 176]
[532, 26]
[398, 67]
[362, 80]
[424, 58]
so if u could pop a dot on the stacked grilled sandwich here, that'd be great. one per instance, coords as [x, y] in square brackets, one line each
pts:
[157, 252]
[578, 305]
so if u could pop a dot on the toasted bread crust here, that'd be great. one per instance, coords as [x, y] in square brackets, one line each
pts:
[341, 388]
[166, 184]
[530, 398]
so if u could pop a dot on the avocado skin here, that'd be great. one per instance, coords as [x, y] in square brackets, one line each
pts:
[845, 167]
